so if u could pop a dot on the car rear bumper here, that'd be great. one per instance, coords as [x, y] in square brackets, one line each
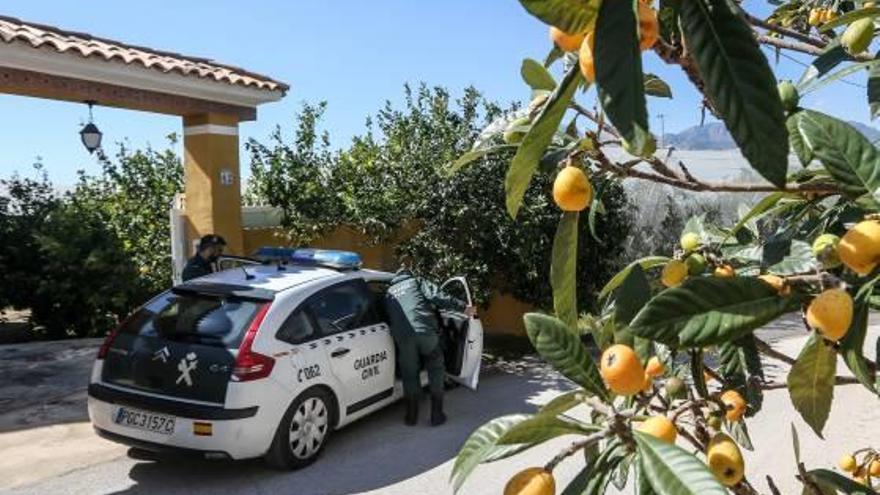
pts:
[167, 406]
[160, 448]
[235, 433]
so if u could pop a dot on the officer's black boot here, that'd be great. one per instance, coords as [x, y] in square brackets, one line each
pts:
[412, 411]
[437, 416]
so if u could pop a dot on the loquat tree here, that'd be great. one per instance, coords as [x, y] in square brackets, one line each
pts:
[679, 367]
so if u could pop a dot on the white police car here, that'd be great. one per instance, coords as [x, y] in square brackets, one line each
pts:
[262, 360]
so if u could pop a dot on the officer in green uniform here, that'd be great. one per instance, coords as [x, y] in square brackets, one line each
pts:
[210, 248]
[411, 304]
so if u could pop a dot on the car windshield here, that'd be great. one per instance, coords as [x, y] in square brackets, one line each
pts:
[193, 318]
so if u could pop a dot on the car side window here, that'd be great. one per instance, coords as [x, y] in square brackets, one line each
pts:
[343, 307]
[297, 328]
[377, 294]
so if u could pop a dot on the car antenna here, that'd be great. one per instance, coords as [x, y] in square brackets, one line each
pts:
[247, 276]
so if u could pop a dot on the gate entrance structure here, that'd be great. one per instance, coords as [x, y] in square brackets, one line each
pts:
[211, 98]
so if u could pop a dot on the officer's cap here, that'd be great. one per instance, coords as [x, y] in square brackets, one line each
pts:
[211, 240]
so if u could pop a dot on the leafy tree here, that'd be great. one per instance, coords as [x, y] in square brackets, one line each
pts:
[395, 178]
[25, 204]
[82, 259]
[680, 363]
[296, 178]
[132, 197]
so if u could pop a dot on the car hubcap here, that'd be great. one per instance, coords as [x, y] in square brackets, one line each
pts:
[308, 428]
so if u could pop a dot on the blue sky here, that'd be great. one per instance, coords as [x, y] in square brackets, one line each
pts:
[352, 53]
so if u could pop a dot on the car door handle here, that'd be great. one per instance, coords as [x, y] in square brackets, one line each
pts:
[339, 352]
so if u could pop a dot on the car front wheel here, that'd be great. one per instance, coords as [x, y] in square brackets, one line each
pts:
[303, 431]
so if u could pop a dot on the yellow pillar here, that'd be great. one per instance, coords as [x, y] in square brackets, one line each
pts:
[212, 179]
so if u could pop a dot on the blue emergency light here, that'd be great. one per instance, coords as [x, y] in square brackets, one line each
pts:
[328, 258]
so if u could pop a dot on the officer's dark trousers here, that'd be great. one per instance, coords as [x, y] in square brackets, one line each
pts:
[427, 347]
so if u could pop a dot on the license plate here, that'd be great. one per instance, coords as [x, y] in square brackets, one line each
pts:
[143, 420]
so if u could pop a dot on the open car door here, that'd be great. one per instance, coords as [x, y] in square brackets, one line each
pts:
[463, 337]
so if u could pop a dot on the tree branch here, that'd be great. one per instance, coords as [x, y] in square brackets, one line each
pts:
[704, 186]
[764, 348]
[575, 447]
[798, 46]
[791, 33]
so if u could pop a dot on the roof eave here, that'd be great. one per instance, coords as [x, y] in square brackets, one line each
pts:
[21, 55]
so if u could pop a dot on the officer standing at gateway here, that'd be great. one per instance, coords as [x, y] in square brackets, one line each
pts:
[412, 304]
[202, 263]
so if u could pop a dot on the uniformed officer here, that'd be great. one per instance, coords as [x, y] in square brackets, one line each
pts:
[412, 304]
[210, 248]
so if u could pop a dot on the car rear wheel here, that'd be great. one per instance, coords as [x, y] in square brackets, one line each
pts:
[303, 431]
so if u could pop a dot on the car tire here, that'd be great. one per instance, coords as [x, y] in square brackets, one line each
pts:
[303, 431]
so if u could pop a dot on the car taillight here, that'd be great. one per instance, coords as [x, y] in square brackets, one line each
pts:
[250, 365]
[108, 340]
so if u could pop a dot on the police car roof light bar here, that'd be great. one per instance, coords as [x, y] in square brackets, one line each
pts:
[326, 258]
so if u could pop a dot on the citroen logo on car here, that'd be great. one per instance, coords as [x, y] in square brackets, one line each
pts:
[162, 355]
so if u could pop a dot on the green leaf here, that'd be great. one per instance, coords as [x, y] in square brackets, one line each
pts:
[799, 260]
[795, 444]
[874, 90]
[496, 128]
[697, 370]
[740, 433]
[542, 427]
[618, 63]
[768, 202]
[533, 145]
[577, 485]
[474, 155]
[603, 467]
[833, 55]
[596, 208]
[849, 157]
[850, 17]
[483, 445]
[655, 86]
[796, 140]
[621, 473]
[740, 366]
[563, 269]
[571, 16]
[563, 403]
[851, 346]
[643, 485]
[646, 263]
[739, 82]
[708, 311]
[673, 471]
[811, 382]
[632, 295]
[562, 348]
[536, 75]
[839, 482]
[818, 83]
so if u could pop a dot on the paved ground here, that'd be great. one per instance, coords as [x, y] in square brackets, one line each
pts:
[48, 448]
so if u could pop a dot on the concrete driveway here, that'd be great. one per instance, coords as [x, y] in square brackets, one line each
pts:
[47, 447]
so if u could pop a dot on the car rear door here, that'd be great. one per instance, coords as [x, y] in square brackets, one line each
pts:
[469, 340]
[181, 345]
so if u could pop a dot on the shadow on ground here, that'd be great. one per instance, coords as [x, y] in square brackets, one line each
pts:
[373, 453]
[44, 383]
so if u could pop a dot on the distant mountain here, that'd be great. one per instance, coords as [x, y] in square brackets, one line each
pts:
[711, 136]
[714, 136]
[871, 133]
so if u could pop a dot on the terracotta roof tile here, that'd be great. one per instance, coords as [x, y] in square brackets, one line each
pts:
[85, 45]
